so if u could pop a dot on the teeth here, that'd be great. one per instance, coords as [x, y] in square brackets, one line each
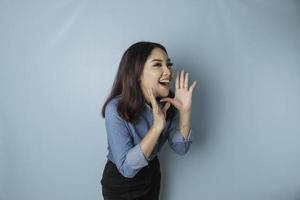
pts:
[164, 81]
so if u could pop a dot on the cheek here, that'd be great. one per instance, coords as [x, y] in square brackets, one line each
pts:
[150, 79]
[150, 82]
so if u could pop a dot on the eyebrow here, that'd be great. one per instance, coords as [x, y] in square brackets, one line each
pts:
[160, 60]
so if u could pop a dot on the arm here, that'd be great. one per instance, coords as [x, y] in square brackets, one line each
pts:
[159, 122]
[185, 123]
[178, 140]
[149, 141]
[180, 134]
[128, 157]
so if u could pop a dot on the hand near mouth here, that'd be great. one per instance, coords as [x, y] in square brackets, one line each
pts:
[159, 114]
[183, 94]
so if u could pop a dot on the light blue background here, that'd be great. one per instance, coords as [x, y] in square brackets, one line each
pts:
[57, 63]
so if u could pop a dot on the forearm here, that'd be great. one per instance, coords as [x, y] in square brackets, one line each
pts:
[185, 123]
[149, 141]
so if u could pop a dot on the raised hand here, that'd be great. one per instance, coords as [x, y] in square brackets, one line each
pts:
[183, 94]
[159, 115]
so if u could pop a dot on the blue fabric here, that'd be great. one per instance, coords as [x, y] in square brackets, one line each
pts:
[124, 138]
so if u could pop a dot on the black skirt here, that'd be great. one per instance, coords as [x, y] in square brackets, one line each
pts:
[144, 185]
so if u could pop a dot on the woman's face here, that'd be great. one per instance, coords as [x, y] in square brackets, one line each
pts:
[157, 74]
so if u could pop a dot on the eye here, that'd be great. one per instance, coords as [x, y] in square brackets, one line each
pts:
[159, 65]
[170, 64]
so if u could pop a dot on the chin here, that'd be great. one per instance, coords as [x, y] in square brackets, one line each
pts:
[164, 94]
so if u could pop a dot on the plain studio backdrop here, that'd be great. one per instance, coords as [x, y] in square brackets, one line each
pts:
[58, 60]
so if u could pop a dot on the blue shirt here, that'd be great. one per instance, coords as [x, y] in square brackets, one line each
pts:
[124, 138]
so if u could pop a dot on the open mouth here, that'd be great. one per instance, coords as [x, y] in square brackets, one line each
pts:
[164, 83]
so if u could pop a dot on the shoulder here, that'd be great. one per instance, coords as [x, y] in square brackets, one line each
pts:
[111, 107]
[113, 102]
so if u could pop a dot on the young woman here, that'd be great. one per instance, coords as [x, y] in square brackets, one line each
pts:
[141, 114]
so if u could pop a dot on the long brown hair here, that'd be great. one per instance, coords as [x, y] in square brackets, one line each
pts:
[127, 85]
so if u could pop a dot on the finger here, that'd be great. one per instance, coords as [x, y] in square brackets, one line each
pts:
[186, 80]
[177, 80]
[172, 101]
[152, 99]
[166, 107]
[192, 86]
[168, 99]
[181, 81]
[151, 96]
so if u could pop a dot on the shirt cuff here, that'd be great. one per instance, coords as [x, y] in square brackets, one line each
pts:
[136, 158]
[178, 137]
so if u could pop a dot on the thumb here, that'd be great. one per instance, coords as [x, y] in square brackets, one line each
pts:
[168, 99]
[172, 101]
[166, 107]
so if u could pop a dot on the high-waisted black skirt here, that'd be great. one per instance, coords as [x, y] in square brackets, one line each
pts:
[144, 185]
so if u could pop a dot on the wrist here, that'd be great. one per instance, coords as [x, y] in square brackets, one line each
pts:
[156, 129]
[185, 112]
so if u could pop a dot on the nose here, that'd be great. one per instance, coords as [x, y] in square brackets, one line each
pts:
[167, 71]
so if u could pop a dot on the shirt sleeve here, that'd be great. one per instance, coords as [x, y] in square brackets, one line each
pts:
[128, 157]
[176, 141]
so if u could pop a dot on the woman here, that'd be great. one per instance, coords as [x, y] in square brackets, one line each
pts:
[141, 113]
